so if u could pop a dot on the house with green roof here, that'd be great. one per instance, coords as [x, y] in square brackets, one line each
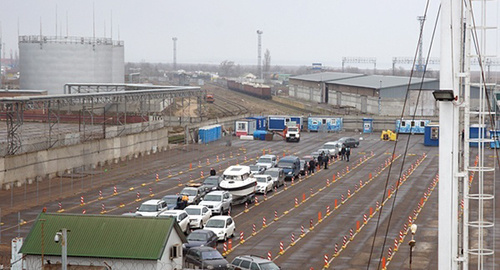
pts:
[105, 242]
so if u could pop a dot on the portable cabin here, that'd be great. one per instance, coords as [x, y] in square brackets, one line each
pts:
[416, 126]
[324, 123]
[431, 135]
[245, 127]
[278, 122]
[260, 122]
[495, 136]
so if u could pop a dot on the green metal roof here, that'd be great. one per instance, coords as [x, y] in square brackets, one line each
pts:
[102, 236]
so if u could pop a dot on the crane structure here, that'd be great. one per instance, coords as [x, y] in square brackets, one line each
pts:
[360, 60]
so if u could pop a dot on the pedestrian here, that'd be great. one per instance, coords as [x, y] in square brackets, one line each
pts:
[212, 172]
[320, 160]
[342, 152]
[326, 159]
[347, 152]
[311, 166]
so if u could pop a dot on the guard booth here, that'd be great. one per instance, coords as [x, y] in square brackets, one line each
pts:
[367, 125]
[431, 135]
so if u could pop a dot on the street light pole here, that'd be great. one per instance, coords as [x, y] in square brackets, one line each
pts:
[62, 236]
[412, 242]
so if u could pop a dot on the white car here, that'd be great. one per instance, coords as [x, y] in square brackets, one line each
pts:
[268, 161]
[151, 208]
[265, 183]
[180, 216]
[198, 215]
[222, 226]
[218, 201]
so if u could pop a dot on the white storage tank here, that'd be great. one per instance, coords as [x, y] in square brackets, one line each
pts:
[47, 63]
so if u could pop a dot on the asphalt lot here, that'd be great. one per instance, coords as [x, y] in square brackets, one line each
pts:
[372, 236]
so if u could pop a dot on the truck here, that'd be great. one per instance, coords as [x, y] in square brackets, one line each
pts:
[292, 132]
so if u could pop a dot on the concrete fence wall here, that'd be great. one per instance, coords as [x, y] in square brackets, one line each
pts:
[41, 164]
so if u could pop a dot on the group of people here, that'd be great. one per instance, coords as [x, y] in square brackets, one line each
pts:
[323, 159]
[345, 152]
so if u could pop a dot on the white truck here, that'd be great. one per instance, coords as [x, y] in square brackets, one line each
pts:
[292, 132]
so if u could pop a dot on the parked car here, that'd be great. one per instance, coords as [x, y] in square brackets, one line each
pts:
[277, 175]
[333, 148]
[264, 183]
[180, 216]
[291, 166]
[198, 215]
[205, 258]
[151, 208]
[222, 226]
[195, 193]
[174, 202]
[218, 201]
[211, 183]
[257, 169]
[199, 238]
[268, 161]
[349, 141]
[252, 262]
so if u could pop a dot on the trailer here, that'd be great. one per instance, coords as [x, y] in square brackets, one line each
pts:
[411, 126]
[325, 123]
[279, 122]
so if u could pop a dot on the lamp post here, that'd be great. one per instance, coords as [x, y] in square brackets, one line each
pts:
[412, 242]
[62, 237]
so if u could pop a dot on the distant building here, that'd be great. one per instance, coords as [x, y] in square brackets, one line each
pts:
[47, 63]
[370, 94]
[106, 242]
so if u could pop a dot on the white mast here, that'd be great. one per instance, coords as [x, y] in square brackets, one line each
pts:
[449, 135]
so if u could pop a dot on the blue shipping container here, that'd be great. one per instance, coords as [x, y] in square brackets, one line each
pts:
[276, 122]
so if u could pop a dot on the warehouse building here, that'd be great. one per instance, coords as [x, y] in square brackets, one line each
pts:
[370, 94]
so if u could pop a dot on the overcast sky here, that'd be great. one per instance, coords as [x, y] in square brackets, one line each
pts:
[295, 32]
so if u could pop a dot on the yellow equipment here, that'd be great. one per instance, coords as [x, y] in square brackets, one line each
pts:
[388, 135]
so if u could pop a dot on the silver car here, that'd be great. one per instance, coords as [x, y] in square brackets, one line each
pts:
[277, 175]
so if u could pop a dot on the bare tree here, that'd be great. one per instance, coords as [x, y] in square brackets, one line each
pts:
[267, 64]
[226, 68]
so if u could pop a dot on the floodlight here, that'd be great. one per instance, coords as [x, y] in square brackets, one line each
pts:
[444, 95]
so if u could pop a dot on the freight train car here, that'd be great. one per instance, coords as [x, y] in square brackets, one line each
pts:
[258, 90]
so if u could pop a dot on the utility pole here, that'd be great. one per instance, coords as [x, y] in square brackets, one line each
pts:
[259, 54]
[175, 52]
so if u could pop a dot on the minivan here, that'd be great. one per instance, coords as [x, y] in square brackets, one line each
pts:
[290, 166]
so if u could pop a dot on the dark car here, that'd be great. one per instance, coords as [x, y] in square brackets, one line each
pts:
[200, 238]
[290, 166]
[205, 258]
[174, 202]
[211, 183]
[349, 141]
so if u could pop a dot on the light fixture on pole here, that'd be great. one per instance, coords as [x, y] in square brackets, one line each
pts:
[412, 242]
[444, 95]
[62, 237]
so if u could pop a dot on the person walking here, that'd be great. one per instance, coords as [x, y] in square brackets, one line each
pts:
[326, 159]
[347, 152]
[342, 152]
[320, 160]
[311, 166]
[212, 172]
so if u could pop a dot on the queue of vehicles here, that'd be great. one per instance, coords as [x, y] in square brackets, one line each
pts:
[207, 206]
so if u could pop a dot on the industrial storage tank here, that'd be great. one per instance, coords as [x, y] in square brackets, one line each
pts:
[47, 63]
